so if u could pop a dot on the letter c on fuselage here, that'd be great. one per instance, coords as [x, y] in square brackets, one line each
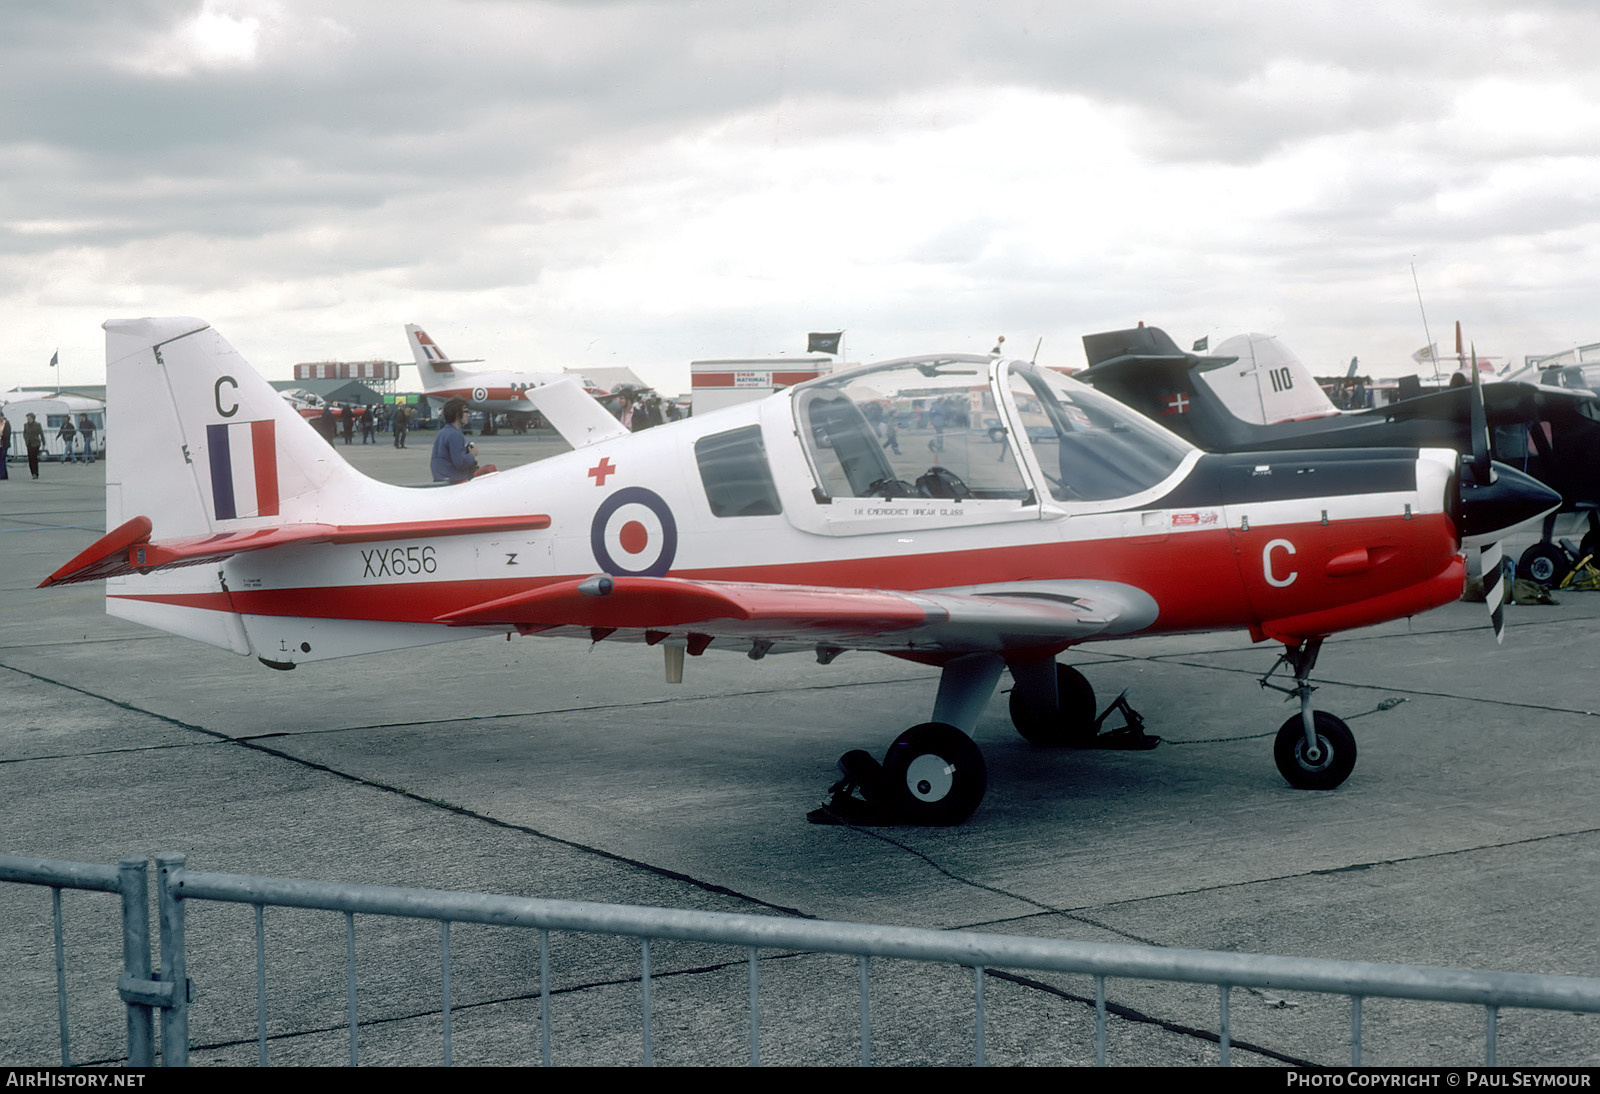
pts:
[217, 393]
[1266, 564]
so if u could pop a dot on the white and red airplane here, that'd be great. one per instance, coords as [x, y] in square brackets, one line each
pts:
[491, 392]
[779, 525]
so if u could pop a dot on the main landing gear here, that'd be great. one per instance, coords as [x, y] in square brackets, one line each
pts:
[1314, 750]
[933, 773]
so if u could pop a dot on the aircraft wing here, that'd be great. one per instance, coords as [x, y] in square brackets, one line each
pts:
[128, 548]
[1024, 616]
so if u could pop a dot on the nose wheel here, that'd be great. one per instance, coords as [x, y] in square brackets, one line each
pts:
[1314, 750]
[1321, 764]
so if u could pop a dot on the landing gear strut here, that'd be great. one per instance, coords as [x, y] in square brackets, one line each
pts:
[1314, 750]
[933, 774]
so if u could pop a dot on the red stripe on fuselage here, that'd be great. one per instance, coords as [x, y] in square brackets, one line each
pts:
[1201, 580]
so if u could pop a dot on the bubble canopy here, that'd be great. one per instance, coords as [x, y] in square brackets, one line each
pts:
[985, 429]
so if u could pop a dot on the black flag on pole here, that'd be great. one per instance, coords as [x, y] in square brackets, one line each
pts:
[823, 343]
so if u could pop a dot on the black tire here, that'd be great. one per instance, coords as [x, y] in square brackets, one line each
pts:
[1544, 563]
[1070, 725]
[933, 774]
[1333, 767]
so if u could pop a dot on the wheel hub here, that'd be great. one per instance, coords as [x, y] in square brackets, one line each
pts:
[1315, 757]
[930, 778]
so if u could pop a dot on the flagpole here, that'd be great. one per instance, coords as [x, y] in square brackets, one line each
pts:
[1432, 356]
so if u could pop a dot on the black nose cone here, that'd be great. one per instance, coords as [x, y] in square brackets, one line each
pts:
[1490, 510]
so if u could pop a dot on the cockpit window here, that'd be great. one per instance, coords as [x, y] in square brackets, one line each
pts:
[915, 429]
[735, 475]
[1089, 446]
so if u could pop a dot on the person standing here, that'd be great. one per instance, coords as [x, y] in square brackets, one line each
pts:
[68, 433]
[5, 446]
[401, 414]
[366, 425]
[86, 430]
[326, 425]
[33, 441]
[347, 415]
[452, 459]
[891, 433]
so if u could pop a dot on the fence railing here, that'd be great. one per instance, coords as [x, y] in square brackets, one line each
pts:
[146, 992]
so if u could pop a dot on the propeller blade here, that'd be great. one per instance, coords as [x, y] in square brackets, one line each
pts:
[1482, 466]
[1494, 587]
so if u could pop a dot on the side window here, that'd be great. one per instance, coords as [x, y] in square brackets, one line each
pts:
[734, 472]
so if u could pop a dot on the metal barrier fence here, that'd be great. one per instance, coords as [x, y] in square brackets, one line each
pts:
[167, 990]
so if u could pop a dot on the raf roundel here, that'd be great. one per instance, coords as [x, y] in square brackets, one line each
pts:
[479, 394]
[633, 534]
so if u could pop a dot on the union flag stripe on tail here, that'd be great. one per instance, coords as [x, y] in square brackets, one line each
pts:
[244, 469]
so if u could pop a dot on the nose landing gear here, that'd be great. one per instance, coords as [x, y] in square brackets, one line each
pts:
[1314, 750]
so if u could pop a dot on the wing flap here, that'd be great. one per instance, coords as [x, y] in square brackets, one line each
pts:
[128, 548]
[851, 618]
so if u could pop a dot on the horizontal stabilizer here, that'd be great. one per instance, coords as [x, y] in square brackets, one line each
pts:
[1114, 352]
[570, 408]
[128, 549]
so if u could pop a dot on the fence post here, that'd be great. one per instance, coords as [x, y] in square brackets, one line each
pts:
[174, 966]
[133, 883]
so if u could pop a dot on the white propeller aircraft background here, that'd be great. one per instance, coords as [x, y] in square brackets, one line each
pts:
[799, 522]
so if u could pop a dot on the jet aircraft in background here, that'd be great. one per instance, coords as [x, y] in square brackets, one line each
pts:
[1254, 395]
[791, 523]
[491, 392]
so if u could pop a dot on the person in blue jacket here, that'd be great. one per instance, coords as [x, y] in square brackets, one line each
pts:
[453, 459]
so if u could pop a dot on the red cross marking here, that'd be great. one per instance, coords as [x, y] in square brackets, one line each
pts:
[599, 472]
[1177, 403]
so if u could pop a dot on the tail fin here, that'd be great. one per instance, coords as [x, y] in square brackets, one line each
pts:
[435, 368]
[1269, 384]
[207, 445]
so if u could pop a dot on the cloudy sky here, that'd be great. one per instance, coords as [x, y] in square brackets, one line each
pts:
[647, 182]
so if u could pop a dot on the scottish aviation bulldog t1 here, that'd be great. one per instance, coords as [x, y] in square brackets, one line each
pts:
[980, 514]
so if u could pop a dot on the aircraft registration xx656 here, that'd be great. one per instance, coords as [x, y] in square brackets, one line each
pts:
[980, 514]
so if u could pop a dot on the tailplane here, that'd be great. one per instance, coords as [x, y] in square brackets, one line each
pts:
[210, 460]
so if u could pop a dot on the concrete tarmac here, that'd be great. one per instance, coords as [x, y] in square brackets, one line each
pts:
[1466, 836]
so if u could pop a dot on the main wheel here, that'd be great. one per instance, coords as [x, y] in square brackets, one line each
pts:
[1325, 769]
[933, 774]
[1545, 563]
[1071, 723]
